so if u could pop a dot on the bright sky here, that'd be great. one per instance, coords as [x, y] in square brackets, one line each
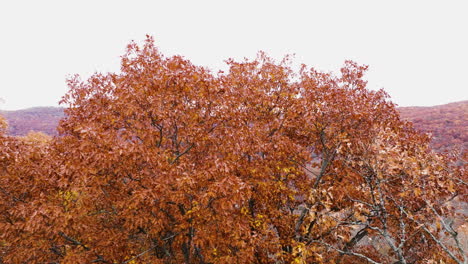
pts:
[417, 50]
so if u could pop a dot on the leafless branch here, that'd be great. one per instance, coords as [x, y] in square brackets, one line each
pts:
[349, 253]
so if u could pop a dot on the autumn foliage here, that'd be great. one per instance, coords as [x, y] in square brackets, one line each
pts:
[167, 162]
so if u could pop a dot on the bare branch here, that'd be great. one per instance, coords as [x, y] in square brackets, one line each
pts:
[349, 253]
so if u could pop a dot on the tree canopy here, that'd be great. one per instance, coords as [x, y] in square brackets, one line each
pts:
[168, 162]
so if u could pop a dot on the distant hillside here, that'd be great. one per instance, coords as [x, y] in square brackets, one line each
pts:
[447, 123]
[43, 119]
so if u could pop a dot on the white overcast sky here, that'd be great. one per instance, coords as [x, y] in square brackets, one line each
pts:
[417, 50]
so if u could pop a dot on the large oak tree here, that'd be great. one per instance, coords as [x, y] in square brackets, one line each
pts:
[168, 162]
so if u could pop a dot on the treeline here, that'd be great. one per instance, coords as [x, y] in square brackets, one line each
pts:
[445, 123]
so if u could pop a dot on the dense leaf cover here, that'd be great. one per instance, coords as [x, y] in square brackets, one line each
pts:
[166, 162]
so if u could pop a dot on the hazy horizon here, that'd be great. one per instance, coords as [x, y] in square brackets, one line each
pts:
[59, 106]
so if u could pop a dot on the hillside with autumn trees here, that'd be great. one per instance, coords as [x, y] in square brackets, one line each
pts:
[447, 124]
[39, 119]
[168, 162]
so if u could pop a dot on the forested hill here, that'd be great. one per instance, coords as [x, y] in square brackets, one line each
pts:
[447, 123]
[43, 119]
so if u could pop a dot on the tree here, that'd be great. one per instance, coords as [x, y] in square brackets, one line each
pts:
[166, 162]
